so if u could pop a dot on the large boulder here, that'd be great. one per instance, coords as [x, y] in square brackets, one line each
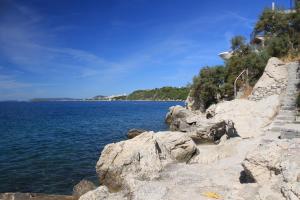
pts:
[142, 157]
[176, 146]
[275, 166]
[136, 157]
[179, 118]
[249, 117]
[273, 81]
[198, 127]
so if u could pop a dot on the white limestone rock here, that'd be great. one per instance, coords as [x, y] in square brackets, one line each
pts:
[249, 117]
[102, 193]
[275, 166]
[142, 157]
[273, 81]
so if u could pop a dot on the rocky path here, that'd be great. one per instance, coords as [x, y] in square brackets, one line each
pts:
[206, 178]
[285, 121]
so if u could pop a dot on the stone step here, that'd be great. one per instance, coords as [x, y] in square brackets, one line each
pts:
[293, 98]
[286, 118]
[279, 123]
[291, 92]
[276, 128]
[291, 87]
[287, 112]
[289, 134]
[288, 107]
[290, 98]
[290, 131]
[291, 102]
[288, 103]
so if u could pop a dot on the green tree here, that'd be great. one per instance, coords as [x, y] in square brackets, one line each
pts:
[238, 43]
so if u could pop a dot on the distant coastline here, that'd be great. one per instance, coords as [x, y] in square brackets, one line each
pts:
[157, 94]
[91, 100]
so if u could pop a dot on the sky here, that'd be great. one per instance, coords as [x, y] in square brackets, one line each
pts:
[80, 49]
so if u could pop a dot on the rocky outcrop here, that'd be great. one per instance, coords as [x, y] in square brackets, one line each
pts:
[250, 117]
[198, 127]
[134, 132]
[83, 187]
[241, 117]
[177, 165]
[275, 166]
[273, 81]
[142, 157]
[175, 146]
[102, 193]
[179, 117]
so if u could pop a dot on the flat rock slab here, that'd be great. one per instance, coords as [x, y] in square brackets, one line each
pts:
[34, 196]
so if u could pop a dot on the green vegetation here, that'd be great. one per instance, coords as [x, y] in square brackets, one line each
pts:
[120, 98]
[164, 93]
[281, 32]
[208, 84]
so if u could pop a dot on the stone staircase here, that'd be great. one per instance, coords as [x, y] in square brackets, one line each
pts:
[285, 122]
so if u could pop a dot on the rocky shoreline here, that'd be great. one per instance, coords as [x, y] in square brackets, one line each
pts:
[228, 152]
[231, 151]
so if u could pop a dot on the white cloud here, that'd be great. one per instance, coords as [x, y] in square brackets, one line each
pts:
[9, 82]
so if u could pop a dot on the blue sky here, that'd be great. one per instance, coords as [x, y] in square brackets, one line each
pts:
[73, 48]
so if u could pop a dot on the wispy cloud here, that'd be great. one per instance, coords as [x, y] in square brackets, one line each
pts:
[247, 22]
[9, 82]
[173, 51]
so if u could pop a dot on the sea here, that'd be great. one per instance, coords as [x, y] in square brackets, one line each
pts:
[48, 147]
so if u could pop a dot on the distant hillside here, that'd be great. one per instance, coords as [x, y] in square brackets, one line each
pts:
[157, 94]
[164, 93]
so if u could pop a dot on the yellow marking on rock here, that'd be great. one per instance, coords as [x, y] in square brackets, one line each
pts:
[212, 195]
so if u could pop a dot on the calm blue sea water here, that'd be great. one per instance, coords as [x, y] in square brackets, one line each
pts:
[48, 147]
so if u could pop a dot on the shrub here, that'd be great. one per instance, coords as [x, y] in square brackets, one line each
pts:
[208, 87]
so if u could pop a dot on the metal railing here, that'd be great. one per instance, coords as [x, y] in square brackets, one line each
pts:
[245, 70]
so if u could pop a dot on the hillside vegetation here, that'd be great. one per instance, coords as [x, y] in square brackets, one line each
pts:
[281, 31]
[164, 93]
